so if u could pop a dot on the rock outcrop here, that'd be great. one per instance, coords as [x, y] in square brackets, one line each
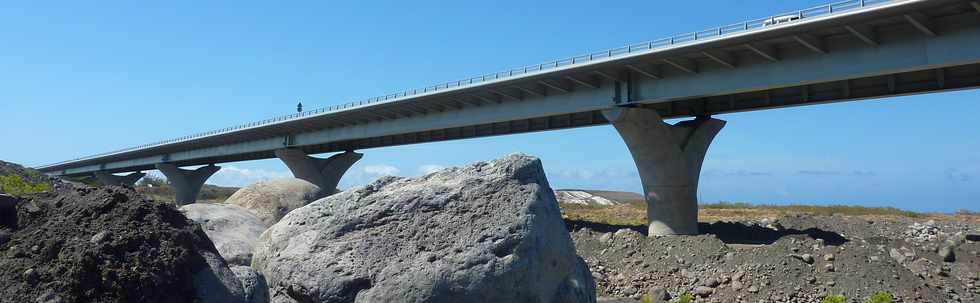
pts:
[271, 200]
[233, 229]
[488, 232]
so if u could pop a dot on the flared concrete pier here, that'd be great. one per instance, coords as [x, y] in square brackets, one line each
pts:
[186, 183]
[669, 159]
[324, 173]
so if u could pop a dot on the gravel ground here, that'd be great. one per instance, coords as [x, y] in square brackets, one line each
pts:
[798, 258]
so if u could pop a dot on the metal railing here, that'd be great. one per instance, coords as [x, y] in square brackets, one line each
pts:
[619, 52]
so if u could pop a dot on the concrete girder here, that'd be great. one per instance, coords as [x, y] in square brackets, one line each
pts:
[608, 76]
[688, 66]
[502, 93]
[463, 101]
[324, 173]
[530, 91]
[668, 158]
[555, 86]
[106, 178]
[418, 109]
[922, 23]
[863, 32]
[485, 99]
[811, 42]
[763, 50]
[724, 58]
[581, 82]
[651, 74]
[186, 183]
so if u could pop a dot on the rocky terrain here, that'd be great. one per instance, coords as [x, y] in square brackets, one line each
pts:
[798, 258]
[488, 232]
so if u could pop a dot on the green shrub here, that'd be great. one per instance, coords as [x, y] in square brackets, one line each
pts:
[881, 297]
[646, 299]
[833, 299]
[686, 298]
[17, 186]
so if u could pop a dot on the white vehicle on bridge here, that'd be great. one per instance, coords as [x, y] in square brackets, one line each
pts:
[780, 20]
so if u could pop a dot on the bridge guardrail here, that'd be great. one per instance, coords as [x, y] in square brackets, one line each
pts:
[676, 40]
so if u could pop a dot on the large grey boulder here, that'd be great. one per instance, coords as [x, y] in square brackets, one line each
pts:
[488, 232]
[271, 200]
[232, 229]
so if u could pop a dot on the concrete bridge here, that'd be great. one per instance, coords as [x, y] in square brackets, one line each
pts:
[851, 50]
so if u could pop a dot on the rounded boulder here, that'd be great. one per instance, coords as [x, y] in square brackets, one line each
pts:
[232, 229]
[271, 200]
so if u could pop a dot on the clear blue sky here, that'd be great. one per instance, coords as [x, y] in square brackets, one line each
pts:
[78, 78]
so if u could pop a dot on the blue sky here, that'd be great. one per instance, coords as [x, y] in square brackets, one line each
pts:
[78, 78]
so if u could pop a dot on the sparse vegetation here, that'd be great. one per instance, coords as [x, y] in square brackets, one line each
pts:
[966, 212]
[686, 298]
[833, 299]
[634, 213]
[881, 297]
[646, 299]
[850, 210]
[18, 186]
[159, 189]
[614, 215]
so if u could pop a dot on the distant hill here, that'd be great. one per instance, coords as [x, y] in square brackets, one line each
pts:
[596, 197]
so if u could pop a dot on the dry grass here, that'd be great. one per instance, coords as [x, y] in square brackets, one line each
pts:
[634, 213]
[848, 210]
[626, 214]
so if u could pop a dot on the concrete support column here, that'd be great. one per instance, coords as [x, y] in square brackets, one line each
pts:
[186, 183]
[668, 158]
[109, 179]
[324, 173]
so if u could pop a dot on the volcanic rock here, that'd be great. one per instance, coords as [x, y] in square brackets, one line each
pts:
[148, 251]
[233, 229]
[271, 200]
[488, 232]
[253, 283]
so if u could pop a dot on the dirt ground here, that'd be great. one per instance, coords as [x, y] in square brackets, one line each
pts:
[755, 256]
